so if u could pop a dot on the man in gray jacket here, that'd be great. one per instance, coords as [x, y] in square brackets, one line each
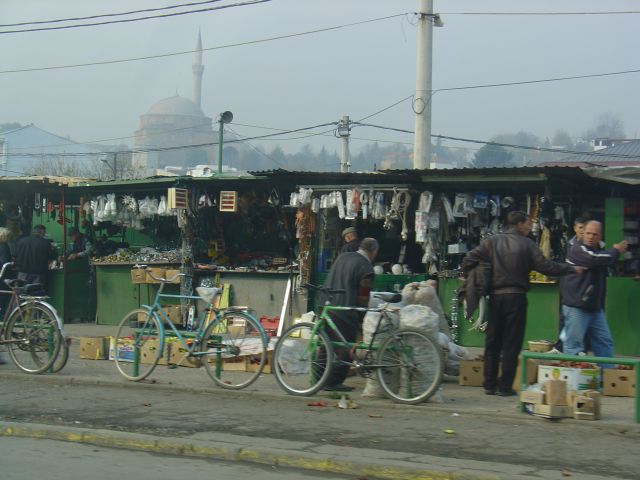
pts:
[512, 255]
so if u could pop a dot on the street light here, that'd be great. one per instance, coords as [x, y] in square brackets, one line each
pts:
[225, 117]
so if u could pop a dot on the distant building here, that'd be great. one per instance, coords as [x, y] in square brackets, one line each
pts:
[172, 126]
[607, 153]
[30, 149]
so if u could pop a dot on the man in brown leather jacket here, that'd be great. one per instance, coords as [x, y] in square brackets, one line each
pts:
[512, 255]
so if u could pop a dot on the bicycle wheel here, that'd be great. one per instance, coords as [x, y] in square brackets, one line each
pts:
[62, 357]
[411, 366]
[302, 360]
[236, 350]
[139, 344]
[35, 337]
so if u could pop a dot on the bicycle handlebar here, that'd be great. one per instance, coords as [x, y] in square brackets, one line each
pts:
[4, 268]
[160, 279]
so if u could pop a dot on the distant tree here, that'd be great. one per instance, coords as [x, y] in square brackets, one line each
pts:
[492, 156]
[5, 127]
[561, 138]
[58, 167]
[607, 125]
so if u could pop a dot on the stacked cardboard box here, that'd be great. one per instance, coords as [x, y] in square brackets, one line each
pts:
[94, 348]
[618, 383]
[555, 400]
[472, 372]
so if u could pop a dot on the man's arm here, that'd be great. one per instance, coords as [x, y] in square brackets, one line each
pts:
[479, 254]
[364, 290]
[582, 256]
[549, 267]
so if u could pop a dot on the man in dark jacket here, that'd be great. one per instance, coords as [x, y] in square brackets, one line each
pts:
[353, 273]
[512, 256]
[33, 254]
[351, 241]
[583, 295]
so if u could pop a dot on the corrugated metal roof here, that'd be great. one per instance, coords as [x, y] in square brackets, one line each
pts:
[623, 154]
[48, 179]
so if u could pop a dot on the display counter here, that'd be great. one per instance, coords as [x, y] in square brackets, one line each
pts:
[543, 312]
[262, 291]
[81, 302]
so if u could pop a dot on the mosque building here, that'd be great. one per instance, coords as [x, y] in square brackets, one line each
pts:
[174, 123]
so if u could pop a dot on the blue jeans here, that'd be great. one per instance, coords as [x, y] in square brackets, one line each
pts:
[579, 323]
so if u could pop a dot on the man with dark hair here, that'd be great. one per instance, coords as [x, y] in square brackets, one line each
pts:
[578, 230]
[80, 246]
[511, 256]
[583, 296]
[353, 273]
[33, 254]
[351, 241]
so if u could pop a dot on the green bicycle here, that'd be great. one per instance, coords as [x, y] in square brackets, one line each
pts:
[407, 362]
[224, 342]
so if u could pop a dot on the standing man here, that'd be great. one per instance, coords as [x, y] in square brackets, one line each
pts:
[33, 254]
[583, 296]
[578, 229]
[350, 238]
[353, 273]
[80, 246]
[511, 256]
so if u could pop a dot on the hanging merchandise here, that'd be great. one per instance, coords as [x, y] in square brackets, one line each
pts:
[480, 200]
[421, 226]
[426, 199]
[371, 197]
[203, 201]
[315, 205]
[325, 201]
[364, 200]
[340, 204]
[447, 209]
[349, 207]
[463, 205]
[398, 211]
[379, 210]
[494, 206]
[534, 214]
[353, 203]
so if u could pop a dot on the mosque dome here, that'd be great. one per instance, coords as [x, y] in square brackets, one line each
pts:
[176, 105]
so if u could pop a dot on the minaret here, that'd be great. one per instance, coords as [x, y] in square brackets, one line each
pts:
[197, 68]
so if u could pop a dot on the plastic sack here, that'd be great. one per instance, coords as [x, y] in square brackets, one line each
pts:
[369, 324]
[421, 318]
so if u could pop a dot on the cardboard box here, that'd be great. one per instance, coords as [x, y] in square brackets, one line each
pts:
[576, 378]
[532, 396]
[553, 411]
[586, 405]
[94, 348]
[532, 372]
[252, 363]
[156, 272]
[174, 312]
[149, 351]
[238, 364]
[138, 275]
[125, 349]
[618, 383]
[170, 273]
[556, 391]
[177, 357]
[471, 373]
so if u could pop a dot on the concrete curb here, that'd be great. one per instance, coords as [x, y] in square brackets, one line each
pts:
[359, 462]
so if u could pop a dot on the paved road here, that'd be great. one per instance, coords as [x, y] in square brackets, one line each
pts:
[24, 458]
[532, 445]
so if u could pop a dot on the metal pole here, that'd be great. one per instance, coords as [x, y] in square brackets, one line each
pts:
[422, 102]
[115, 166]
[220, 136]
[344, 165]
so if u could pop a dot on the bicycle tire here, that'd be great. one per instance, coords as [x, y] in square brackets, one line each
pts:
[40, 338]
[411, 366]
[236, 350]
[139, 344]
[298, 363]
[63, 354]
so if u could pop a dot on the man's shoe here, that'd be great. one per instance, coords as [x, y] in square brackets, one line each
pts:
[338, 387]
[507, 393]
[489, 391]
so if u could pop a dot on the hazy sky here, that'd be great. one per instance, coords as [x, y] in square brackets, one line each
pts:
[314, 79]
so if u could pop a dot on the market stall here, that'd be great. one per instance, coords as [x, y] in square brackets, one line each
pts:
[227, 232]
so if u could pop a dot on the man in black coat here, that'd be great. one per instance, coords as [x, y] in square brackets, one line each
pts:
[511, 255]
[33, 254]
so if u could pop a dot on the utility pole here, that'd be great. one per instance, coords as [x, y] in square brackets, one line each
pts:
[422, 101]
[344, 130]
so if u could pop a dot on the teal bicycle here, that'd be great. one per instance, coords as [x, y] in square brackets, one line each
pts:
[407, 362]
[229, 343]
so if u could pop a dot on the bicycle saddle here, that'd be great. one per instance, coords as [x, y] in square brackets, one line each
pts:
[388, 297]
[23, 287]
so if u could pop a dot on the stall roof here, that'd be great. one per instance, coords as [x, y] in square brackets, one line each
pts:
[161, 181]
[335, 178]
[47, 180]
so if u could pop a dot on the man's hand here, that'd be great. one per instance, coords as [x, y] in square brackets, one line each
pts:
[579, 270]
[72, 256]
[622, 246]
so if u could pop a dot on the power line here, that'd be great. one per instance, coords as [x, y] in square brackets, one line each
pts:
[188, 52]
[129, 20]
[132, 12]
[611, 12]
[256, 149]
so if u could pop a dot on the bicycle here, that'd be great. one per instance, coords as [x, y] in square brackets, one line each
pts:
[31, 329]
[407, 362]
[224, 341]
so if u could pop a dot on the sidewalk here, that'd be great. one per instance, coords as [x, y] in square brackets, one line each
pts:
[616, 411]
[460, 434]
